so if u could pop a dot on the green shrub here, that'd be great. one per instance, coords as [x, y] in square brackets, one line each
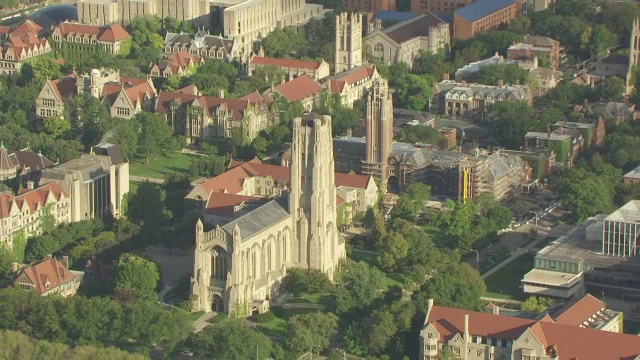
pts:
[310, 281]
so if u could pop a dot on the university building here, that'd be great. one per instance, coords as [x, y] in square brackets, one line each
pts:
[202, 44]
[21, 44]
[485, 15]
[243, 262]
[104, 12]
[70, 39]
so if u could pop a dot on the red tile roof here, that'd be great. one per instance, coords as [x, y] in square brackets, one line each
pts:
[49, 271]
[223, 204]
[209, 103]
[64, 87]
[290, 63]
[578, 312]
[337, 84]
[352, 180]
[135, 88]
[299, 88]
[570, 342]
[35, 199]
[179, 60]
[110, 33]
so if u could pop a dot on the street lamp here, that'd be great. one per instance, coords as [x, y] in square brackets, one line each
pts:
[536, 214]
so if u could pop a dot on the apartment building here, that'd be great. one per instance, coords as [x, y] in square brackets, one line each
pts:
[20, 45]
[480, 335]
[26, 212]
[49, 277]
[197, 117]
[485, 15]
[104, 12]
[291, 67]
[95, 183]
[70, 39]
[402, 42]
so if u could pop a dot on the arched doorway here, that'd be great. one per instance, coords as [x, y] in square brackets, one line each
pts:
[393, 184]
[217, 304]
[255, 311]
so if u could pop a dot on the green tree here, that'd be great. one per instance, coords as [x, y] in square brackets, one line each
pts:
[394, 248]
[137, 275]
[147, 208]
[155, 134]
[6, 276]
[458, 286]
[493, 73]
[356, 288]
[56, 126]
[379, 335]
[510, 121]
[311, 281]
[281, 43]
[126, 134]
[612, 89]
[311, 332]
[231, 340]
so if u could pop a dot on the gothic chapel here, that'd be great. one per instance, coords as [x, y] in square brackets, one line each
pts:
[244, 261]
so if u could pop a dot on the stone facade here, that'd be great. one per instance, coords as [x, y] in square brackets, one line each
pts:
[96, 183]
[292, 68]
[243, 262]
[403, 42]
[352, 85]
[176, 64]
[548, 51]
[70, 39]
[202, 44]
[49, 277]
[21, 44]
[101, 12]
[197, 117]
[379, 129]
[23, 215]
[348, 52]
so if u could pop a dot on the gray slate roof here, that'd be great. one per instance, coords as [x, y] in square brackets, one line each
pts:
[257, 220]
[482, 8]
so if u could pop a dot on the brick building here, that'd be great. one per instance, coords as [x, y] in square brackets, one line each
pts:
[291, 67]
[485, 15]
[50, 277]
[438, 6]
[548, 51]
[19, 45]
[369, 6]
[70, 39]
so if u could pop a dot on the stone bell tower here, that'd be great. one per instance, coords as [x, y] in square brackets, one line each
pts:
[379, 127]
[348, 41]
[312, 200]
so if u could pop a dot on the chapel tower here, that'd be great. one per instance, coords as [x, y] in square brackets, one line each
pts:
[348, 41]
[634, 51]
[379, 130]
[312, 201]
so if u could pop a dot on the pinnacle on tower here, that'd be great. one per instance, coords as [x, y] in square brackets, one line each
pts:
[348, 41]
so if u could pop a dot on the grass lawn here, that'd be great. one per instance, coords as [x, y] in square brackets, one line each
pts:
[218, 318]
[158, 168]
[318, 298]
[133, 186]
[505, 283]
[278, 326]
[196, 315]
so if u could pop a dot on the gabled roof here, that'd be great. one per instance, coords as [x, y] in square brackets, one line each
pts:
[223, 204]
[30, 160]
[64, 87]
[179, 60]
[209, 103]
[257, 220]
[290, 63]
[337, 83]
[135, 89]
[352, 180]
[50, 271]
[299, 88]
[6, 162]
[581, 310]
[482, 8]
[109, 33]
[570, 342]
[34, 199]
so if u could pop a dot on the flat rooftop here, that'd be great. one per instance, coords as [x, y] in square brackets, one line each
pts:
[545, 136]
[574, 246]
[553, 278]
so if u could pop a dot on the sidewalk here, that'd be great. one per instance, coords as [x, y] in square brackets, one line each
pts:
[513, 256]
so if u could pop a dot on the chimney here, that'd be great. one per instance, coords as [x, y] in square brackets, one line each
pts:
[429, 305]
[517, 81]
[496, 310]
[466, 327]
[221, 94]
[500, 83]
[14, 267]
[65, 261]
[30, 185]
[445, 76]
[349, 131]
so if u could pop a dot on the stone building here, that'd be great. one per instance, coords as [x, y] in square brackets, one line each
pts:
[203, 44]
[243, 262]
[460, 98]
[632, 177]
[24, 165]
[49, 277]
[348, 47]
[128, 96]
[303, 89]
[103, 12]
[481, 335]
[485, 15]
[352, 85]
[378, 124]
[177, 64]
[548, 51]
[24, 214]
[70, 39]
[95, 184]
[402, 42]
[291, 67]
[249, 21]
[197, 117]
[21, 44]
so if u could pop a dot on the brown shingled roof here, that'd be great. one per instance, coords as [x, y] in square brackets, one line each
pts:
[223, 204]
[579, 311]
[110, 33]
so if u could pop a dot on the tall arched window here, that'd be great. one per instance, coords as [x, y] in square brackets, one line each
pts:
[378, 47]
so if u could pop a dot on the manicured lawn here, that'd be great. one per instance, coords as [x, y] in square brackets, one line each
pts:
[133, 186]
[505, 283]
[318, 298]
[218, 318]
[158, 168]
[278, 327]
[196, 315]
